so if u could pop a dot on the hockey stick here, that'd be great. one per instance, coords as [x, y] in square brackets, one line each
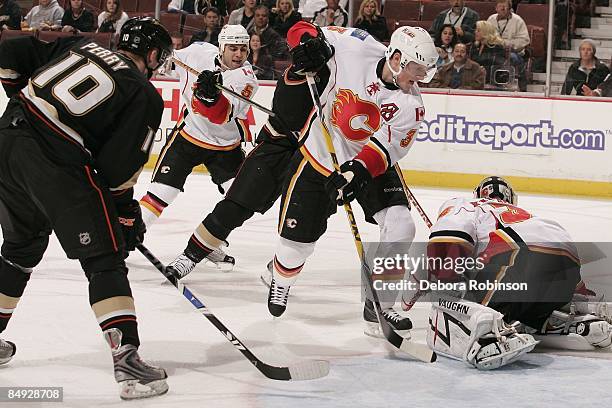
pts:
[226, 89]
[418, 351]
[305, 370]
[411, 197]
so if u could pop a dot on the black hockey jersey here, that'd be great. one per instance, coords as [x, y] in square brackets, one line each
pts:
[86, 103]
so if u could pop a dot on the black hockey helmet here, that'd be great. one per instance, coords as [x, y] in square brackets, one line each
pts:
[140, 34]
[496, 187]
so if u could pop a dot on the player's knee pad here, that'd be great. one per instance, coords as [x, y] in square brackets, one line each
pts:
[225, 217]
[396, 224]
[109, 262]
[474, 333]
[26, 254]
[107, 275]
[14, 278]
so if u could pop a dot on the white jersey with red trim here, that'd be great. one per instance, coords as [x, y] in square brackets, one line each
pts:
[362, 114]
[198, 129]
[493, 226]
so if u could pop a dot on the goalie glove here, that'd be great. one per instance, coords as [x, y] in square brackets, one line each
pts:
[351, 180]
[206, 89]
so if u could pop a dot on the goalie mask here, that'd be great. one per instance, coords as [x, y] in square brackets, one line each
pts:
[414, 44]
[496, 187]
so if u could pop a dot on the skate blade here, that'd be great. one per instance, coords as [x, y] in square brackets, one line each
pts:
[222, 266]
[373, 330]
[132, 389]
[264, 281]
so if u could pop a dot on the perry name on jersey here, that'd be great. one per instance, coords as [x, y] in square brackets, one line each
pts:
[198, 129]
[492, 226]
[362, 114]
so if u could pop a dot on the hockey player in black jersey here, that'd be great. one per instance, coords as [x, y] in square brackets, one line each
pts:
[73, 139]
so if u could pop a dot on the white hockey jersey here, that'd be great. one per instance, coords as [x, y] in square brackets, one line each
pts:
[361, 113]
[491, 226]
[198, 129]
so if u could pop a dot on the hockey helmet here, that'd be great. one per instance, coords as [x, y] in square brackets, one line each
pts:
[496, 187]
[233, 34]
[140, 34]
[414, 44]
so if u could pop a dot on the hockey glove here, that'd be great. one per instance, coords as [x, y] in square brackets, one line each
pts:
[132, 226]
[311, 54]
[344, 186]
[205, 88]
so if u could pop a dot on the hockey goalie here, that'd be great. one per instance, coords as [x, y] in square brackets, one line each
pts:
[520, 290]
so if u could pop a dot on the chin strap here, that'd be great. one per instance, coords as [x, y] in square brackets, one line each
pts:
[394, 74]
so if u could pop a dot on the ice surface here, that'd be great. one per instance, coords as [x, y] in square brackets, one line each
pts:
[59, 343]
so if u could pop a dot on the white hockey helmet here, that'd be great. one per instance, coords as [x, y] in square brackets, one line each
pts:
[233, 34]
[496, 187]
[414, 44]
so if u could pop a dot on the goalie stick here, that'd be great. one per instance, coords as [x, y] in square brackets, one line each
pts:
[305, 370]
[418, 351]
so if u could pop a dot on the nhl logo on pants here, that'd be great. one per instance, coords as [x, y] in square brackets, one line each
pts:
[84, 238]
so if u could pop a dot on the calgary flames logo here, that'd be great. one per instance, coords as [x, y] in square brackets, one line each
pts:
[356, 118]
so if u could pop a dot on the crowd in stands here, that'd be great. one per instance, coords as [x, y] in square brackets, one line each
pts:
[476, 50]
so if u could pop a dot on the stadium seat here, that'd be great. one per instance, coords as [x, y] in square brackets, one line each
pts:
[172, 21]
[103, 39]
[403, 9]
[50, 36]
[483, 8]
[129, 5]
[534, 14]
[193, 23]
[147, 6]
[538, 41]
[432, 8]
[415, 23]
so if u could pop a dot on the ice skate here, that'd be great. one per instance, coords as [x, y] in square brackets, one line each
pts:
[277, 298]
[221, 260]
[7, 351]
[181, 266]
[397, 322]
[266, 276]
[575, 332]
[136, 378]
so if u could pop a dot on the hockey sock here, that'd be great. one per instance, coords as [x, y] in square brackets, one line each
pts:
[289, 260]
[285, 276]
[158, 197]
[226, 217]
[110, 296]
[201, 244]
[13, 281]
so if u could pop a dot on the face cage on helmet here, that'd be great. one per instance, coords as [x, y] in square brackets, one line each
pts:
[503, 192]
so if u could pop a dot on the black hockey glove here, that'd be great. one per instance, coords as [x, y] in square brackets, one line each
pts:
[205, 88]
[344, 186]
[311, 54]
[132, 226]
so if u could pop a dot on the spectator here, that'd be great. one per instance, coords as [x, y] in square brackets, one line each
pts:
[462, 18]
[10, 15]
[46, 16]
[332, 15]
[181, 6]
[201, 6]
[284, 16]
[586, 73]
[112, 18]
[513, 30]
[260, 58]
[244, 15]
[177, 40]
[462, 73]
[604, 89]
[270, 39]
[77, 18]
[212, 28]
[370, 20]
[488, 48]
[445, 40]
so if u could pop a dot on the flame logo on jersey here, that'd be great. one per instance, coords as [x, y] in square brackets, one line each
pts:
[347, 109]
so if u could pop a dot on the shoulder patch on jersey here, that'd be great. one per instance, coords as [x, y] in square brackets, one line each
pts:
[359, 33]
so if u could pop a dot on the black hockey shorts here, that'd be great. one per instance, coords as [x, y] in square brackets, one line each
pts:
[306, 206]
[261, 177]
[550, 279]
[179, 156]
[38, 195]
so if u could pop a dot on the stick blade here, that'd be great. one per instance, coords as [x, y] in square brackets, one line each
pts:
[421, 352]
[309, 370]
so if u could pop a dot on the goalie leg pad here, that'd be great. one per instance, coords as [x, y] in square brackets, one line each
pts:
[474, 333]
